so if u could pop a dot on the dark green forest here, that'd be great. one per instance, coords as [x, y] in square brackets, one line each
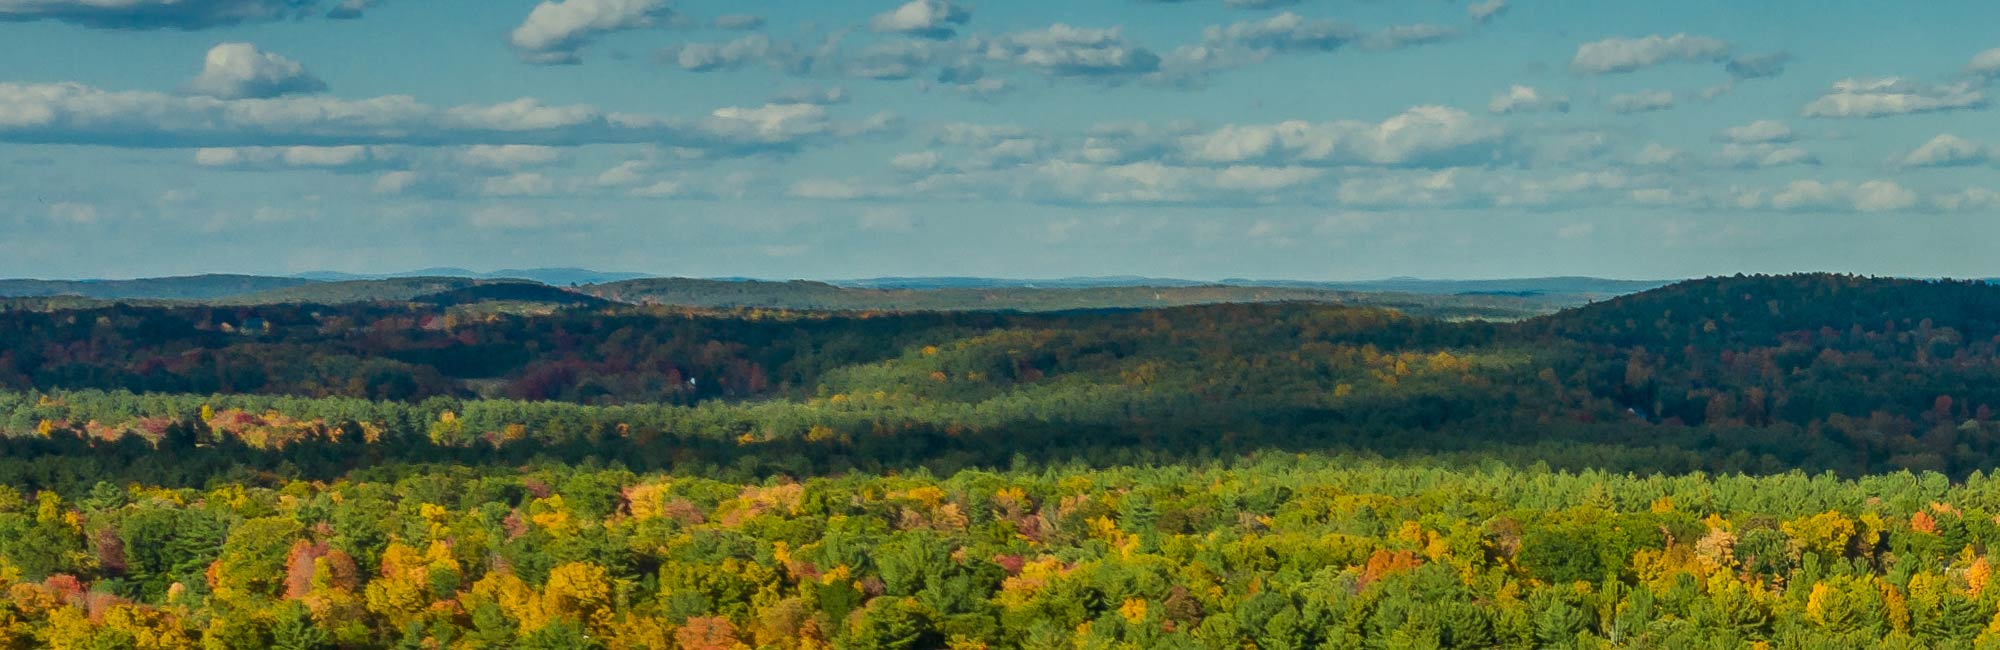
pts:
[1792, 461]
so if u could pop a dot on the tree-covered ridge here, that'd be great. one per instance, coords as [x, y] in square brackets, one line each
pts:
[1910, 379]
[1765, 310]
[1280, 552]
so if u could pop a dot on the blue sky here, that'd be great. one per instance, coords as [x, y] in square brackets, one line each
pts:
[1306, 139]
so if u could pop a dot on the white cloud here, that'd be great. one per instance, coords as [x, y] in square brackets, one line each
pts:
[1628, 54]
[1408, 35]
[820, 96]
[1420, 136]
[292, 157]
[508, 156]
[1265, 179]
[1658, 155]
[1526, 99]
[240, 70]
[1810, 195]
[556, 30]
[1481, 12]
[916, 162]
[771, 122]
[1974, 198]
[396, 182]
[1064, 51]
[1766, 154]
[1759, 131]
[1985, 64]
[630, 172]
[1284, 32]
[1864, 98]
[1946, 150]
[936, 19]
[71, 113]
[1641, 102]
[705, 57]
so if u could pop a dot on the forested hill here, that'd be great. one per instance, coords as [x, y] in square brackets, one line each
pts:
[1758, 310]
[1493, 299]
[805, 295]
[193, 287]
[1850, 374]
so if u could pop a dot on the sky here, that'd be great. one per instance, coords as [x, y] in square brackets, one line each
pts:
[1198, 139]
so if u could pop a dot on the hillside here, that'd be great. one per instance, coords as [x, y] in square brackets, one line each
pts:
[1901, 393]
[194, 287]
[355, 291]
[1758, 310]
[805, 295]
[1580, 287]
[1336, 472]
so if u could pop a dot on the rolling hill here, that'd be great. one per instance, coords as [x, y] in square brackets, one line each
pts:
[193, 287]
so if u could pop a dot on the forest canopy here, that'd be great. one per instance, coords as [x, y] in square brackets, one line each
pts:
[1800, 460]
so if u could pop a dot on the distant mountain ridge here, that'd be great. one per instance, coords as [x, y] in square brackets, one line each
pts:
[1504, 299]
[189, 287]
[553, 276]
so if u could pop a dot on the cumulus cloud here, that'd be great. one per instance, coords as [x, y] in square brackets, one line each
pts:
[1766, 154]
[1641, 102]
[1526, 99]
[820, 96]
[935, 19]
[556, 31]
[1408, 35]
[240, 70]
[916, 162]
[1867, 98]
[347, 157]
[1946, 150]
[1285, 32]
[1659, 155]
[1812, 195]
[1974, 198]
[1614, 55]
[70, 113]
[1421, 136]
[1758, 131]
[152, 14]
[508, 156]
[1481, 12]
[1985, 64]
[901, 59]
[705, 57]
[1467, 188]
[1160, 183]
[1064, 51]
